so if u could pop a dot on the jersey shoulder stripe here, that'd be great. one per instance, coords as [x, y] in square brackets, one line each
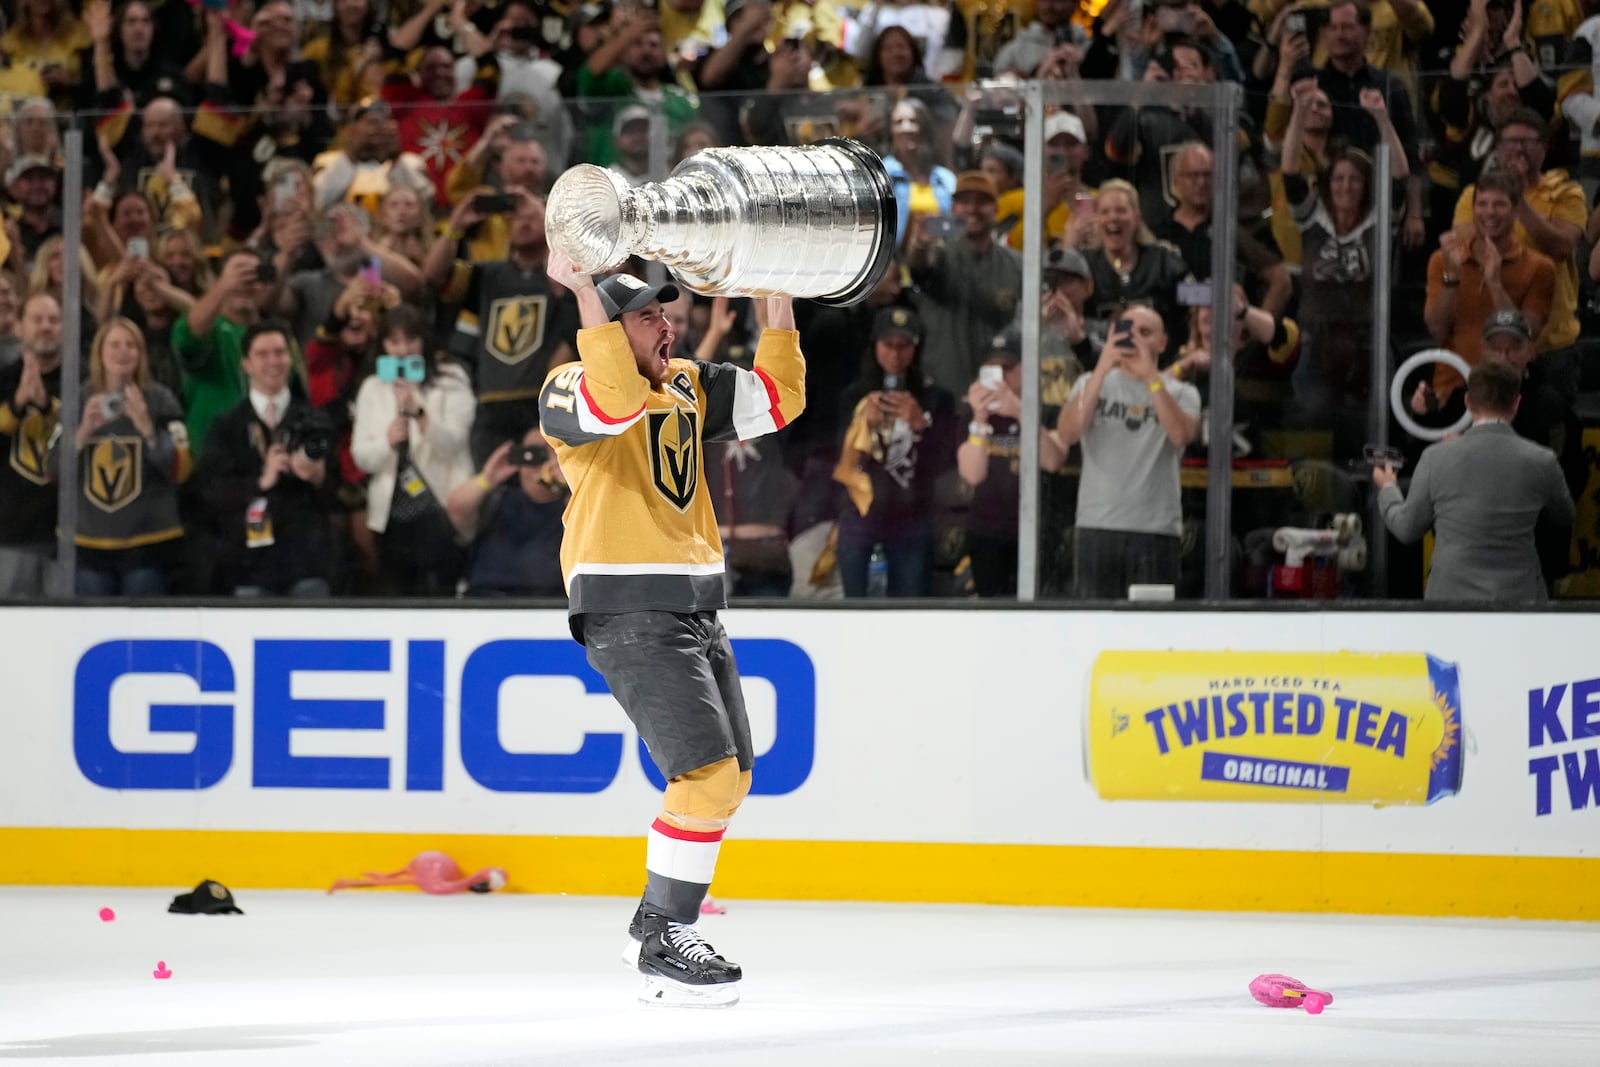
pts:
[567, 413]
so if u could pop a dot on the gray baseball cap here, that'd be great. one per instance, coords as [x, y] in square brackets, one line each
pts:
[1066, 261]
[1512, 322]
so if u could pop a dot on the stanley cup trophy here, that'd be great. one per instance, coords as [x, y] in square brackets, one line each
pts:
[816, 221]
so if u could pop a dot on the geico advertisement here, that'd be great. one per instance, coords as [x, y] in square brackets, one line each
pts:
[266, 729]
[1336, 727]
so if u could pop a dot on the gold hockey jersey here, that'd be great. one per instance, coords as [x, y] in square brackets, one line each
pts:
[640, 531]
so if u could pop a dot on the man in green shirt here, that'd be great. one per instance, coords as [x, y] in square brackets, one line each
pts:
[630, 67]
[207, 343]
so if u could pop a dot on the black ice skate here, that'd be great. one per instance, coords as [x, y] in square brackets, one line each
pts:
[630, 951]
[680, 969]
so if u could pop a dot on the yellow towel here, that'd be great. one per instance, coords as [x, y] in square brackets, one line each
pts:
[858, 441]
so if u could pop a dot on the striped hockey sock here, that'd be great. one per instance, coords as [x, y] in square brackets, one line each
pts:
[679, 864]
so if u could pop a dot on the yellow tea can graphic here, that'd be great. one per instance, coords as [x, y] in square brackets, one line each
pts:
[1274, 727]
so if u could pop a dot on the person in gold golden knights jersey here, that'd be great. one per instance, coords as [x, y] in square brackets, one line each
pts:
[643, 565]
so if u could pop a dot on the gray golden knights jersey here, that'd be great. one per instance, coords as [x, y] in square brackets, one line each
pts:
[509, 328]
[640, 531]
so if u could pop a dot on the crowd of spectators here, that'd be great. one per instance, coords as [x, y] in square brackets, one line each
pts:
[314, 316]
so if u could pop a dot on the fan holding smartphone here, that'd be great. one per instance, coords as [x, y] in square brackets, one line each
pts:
[412, 418]
[1133, 424]
[989, 461]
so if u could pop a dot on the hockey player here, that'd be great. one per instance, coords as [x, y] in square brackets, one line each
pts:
[643, 566]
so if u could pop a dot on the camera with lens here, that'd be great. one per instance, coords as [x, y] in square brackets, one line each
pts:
[305, 430]
[1002, 122]
[1382, 456]
[530, 456]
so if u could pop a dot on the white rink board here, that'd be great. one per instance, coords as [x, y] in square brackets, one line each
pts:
[947, 726]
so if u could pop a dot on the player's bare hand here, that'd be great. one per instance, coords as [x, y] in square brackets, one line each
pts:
[780, 312]
[561, 270]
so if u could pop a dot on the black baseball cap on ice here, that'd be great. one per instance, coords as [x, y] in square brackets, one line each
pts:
[208, 898]
[623, 292]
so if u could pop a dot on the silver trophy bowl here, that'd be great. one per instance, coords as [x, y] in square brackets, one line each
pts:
[816, 221]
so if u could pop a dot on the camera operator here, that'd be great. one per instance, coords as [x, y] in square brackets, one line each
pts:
[265, 479]
[511, 515]
[1134, 424]
[1484, 495]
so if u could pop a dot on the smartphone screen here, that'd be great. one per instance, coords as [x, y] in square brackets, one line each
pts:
[283, 192]
[494, 203]
[1124, 333]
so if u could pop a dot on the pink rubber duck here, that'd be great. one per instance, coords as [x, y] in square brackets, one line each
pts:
[431, 872]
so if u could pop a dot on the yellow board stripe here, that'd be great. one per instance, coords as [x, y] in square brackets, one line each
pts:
[1529, 887]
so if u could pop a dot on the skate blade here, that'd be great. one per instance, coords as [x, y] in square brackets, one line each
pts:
[630, 954]
[664, 992]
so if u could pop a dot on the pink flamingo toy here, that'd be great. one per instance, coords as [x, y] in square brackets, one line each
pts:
[431, 872]
[1281, 991]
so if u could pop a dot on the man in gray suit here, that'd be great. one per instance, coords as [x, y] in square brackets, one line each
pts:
[1483, 494]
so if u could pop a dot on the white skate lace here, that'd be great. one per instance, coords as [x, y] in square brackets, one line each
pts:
[687, 940]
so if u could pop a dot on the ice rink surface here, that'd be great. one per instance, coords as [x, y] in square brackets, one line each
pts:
[397, 978]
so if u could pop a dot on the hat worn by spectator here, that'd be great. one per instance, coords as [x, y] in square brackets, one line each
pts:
[897, 322]
[628, 115]
[37, 107]
[976, 181]
[23, 164]
[370, 105]
[1064, 122]
[1004, 155]
[1066, 261]
[585, 14]
[1512, 322]
[622, 293]
[208, 898]
[1006, 346]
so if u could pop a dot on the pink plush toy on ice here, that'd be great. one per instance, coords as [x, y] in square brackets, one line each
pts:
[431, 872]
[1281, 991]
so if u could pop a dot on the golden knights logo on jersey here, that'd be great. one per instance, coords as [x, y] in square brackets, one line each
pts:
[675, 454]
[112, 480]
[516, 327]
[30, 446]
[157, 190]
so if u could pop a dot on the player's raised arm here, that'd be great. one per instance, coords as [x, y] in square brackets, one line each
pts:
[604, 393]
[743, 403]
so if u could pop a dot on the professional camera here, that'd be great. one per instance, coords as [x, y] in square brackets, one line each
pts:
[529, 456]
[306, 430]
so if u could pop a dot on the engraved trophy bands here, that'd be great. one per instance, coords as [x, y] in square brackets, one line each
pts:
[816, 221]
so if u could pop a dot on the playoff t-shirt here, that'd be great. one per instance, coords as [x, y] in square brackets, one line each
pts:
[1130, 469]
